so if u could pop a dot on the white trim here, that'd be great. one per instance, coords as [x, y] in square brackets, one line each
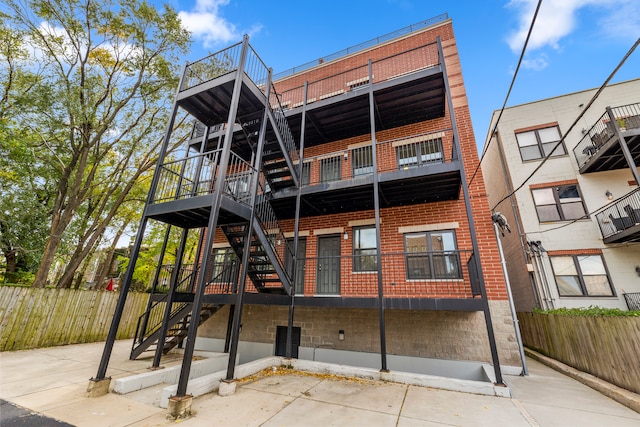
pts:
[361, 222]
[290, 234]
[332, 230]
[419, 138]
[358, 145]
[428, 227]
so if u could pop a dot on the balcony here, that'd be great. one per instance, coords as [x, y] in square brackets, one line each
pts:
[619, 222]
[416, 169]
[600, 149]
[408, 87]
[185, 187]
[433, 280]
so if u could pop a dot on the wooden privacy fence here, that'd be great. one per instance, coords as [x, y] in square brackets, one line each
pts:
[606, 347]
[31, 318]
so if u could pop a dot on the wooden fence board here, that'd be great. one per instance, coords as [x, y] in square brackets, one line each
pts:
[31, 317]
[606, 347]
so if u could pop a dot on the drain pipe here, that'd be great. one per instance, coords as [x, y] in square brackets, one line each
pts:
[500, 220]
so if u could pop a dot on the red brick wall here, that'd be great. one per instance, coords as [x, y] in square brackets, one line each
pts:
[431, 213]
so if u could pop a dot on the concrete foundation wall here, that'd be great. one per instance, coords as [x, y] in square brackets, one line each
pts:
[427, 334]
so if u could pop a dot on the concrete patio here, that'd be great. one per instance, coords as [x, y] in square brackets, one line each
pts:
[53, 381]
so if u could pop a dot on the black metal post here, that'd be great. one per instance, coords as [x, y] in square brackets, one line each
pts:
[296, 226]
[154, 285]
[213, 223]
[376, 208]
[227, 339]
[169, 304]
[472, 228]
[126, 283]
[237, 315]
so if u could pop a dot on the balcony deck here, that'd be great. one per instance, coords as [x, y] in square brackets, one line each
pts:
[416, 169]
[600, 149]
[415, 281]
[619, 222]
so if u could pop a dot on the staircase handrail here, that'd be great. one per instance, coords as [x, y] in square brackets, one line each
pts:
[268, 222]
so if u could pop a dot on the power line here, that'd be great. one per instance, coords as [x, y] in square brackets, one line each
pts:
[573, 125]
[513, 80]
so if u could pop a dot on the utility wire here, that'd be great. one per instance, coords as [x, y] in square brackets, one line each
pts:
[573, 125]
[513, 80]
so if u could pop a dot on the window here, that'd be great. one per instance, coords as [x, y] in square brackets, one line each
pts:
[419, 153]
[364, 249]
[432, 255]
[331, 169]
[536, 144]
[560, 203]
[581, 275]
[362, 161]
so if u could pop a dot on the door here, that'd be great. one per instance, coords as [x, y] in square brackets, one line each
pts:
[281, 341]
[328, 268]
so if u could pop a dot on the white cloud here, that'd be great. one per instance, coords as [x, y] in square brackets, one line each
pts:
[558, 18]
[207, 24]
[538, 63]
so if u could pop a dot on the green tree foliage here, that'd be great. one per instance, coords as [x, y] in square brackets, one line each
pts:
[104, 74]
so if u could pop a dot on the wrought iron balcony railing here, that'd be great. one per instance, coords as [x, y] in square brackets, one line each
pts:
[620, 215]
[398, 154]
[357, 77]
[626, 117]
[633, 300]
[195, 176]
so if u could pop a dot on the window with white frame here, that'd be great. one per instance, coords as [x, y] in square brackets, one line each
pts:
[364, 249]
[581, 275]
[538, 143]
[560, 203]
[432, 255]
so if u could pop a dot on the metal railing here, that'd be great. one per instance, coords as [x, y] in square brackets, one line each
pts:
[282, 125]
[626, 117]
[364, 45]
[437, 274]
[268, 222]
[195, 176]
[210, 67]
[632, 300]
[357, 78]
[621, 214]
[404, 153]
[223, 62]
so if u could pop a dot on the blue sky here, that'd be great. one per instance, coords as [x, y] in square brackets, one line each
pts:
[575, 44]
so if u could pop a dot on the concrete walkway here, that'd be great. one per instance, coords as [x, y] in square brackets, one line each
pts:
[53, 381]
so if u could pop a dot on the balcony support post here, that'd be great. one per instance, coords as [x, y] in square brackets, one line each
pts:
[376, 208]
[472, 227]
[625, 149]
[185, 370]
[296, 227]
[126, 282]
[255, 183]
[175, 274]
[154, 286]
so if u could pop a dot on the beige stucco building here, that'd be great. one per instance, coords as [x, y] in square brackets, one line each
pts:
[574, 217]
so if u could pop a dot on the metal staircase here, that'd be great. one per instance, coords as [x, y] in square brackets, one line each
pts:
[178, 326]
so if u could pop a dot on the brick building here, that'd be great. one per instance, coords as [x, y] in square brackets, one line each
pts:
[345, 228]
